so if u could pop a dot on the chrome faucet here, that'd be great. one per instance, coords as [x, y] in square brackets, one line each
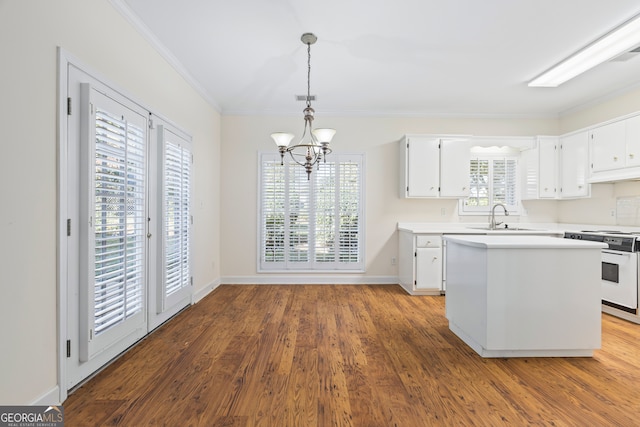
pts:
[492, 219]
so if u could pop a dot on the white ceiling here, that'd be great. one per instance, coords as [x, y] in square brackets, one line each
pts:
[383, 57]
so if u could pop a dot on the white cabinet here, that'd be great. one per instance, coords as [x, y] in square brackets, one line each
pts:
[615, 150]
[608, 146]
[421, 157]
[428, 262]
[574, 165]
[539, 169]
[633, 141]
[432, 166]
[454, 168]
[420, 263]
[548, 158]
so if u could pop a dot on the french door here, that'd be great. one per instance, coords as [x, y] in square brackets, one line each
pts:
[128, 248]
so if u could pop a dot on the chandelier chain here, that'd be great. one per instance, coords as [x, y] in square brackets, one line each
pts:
[308, 74]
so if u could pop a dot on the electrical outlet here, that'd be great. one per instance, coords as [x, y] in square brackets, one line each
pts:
[393, 261]
[613, 213]
[443, 211]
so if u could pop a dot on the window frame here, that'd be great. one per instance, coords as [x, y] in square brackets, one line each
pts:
[311, 265]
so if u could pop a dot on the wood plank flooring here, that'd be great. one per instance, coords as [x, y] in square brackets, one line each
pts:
[307, 355]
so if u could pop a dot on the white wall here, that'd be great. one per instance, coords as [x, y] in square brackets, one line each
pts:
[244, 136]
[97, 34]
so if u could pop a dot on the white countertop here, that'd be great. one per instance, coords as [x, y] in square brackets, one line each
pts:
[529, 242]
[480, 229]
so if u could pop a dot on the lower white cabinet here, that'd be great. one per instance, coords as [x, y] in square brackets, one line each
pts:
[428, 268]
[420, 263]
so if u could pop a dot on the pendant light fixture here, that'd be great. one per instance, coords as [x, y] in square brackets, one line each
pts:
[314, 144]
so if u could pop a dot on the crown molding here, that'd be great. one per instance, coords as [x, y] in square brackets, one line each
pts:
[122, 7]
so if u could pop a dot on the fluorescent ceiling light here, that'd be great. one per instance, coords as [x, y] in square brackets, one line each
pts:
[617, 42]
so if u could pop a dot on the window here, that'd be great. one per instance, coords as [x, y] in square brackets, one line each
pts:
[311, 224]
[493, 179]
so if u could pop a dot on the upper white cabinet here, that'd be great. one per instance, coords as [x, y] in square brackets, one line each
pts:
[615, 150]
[454, 168]
[608, 146]
[548, 158]
[574, 165]
[539, 169]
[433, 166]
[633, 141]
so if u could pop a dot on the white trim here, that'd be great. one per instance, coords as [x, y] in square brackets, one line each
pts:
[197, 296]
[135, 21]
[296, 279]
[49, 398]
[61, 279]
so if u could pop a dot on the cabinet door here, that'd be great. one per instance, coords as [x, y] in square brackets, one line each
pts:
[574, 158]
[429, 268]
[548, 172]
[608, 146]
[529, 170]
[633, 141]
[423, 162]
[454, 168]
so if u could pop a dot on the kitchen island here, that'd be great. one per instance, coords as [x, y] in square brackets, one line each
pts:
[524, 296]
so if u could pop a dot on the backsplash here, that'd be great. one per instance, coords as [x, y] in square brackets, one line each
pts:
[628, 211]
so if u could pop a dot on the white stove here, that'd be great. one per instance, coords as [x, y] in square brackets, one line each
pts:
[620, 270]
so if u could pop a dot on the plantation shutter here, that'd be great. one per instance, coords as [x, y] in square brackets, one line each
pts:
[349, 229]
[176, 217]
[504, 182]
[493, 180]
[273, 212]
[325, 212]
[479, 190]
[298, 214]
[115, 242]
[311, 224]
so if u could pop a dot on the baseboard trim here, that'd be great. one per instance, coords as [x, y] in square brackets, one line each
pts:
[50, 398]
[309, 280]
[205, 291]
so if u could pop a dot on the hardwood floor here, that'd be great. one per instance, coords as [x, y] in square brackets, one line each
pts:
[349, 356]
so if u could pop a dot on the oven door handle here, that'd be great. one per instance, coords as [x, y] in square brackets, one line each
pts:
[624, 254]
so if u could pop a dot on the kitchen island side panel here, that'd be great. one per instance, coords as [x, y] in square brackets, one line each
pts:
[466, 298]
[543, 299]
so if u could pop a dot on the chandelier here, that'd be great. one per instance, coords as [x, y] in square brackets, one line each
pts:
[314, 144]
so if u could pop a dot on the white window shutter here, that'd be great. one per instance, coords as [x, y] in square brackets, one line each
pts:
[114, 244]
[311, 224]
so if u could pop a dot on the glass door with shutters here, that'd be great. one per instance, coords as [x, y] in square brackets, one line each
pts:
[107, 299]
[171, 281]
[127, 248]
[115, 242]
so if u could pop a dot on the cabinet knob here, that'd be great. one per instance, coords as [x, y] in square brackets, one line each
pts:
[615, 158]
[631, 156]
[546, 188]
[464, 188]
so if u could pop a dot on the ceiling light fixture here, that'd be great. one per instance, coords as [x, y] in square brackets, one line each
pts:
[616, 42]
[314, 144]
